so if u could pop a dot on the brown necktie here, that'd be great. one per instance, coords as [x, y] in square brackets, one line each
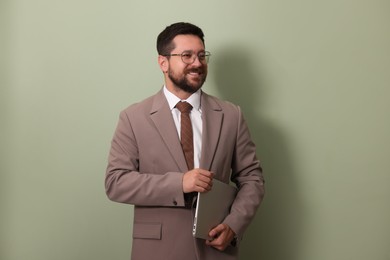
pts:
[186, 135]
[187, 143]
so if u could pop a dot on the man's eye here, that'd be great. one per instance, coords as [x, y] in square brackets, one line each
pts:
[186, 55]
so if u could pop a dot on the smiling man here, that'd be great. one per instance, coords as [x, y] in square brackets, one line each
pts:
[171, 146]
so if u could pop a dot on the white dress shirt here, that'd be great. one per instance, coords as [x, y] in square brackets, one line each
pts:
[196, 119]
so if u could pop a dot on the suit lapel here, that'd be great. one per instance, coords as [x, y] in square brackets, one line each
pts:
[162, 119]
[212, 117]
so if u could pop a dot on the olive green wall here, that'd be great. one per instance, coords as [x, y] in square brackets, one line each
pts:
[312, 78]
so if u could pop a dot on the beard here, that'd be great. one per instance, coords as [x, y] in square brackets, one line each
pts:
[183, 83]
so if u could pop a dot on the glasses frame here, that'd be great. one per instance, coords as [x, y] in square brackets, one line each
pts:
[206, 57]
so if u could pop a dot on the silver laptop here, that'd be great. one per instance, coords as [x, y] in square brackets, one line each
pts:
[212, 207]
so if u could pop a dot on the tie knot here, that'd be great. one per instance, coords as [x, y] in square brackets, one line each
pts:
[184, 107]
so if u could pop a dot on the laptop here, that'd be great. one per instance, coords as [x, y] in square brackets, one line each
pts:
[212, 207]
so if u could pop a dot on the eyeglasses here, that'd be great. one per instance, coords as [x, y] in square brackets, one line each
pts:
[189, 57]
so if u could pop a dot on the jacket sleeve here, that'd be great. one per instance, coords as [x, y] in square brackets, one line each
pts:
[247, 175]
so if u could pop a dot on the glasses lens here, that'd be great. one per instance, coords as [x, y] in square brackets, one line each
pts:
[204, 57]
[187, 57]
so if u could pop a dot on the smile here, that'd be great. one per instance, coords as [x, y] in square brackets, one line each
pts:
[195, 72]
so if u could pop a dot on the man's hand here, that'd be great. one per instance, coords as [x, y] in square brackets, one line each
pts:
[197, 180]
[223, 236]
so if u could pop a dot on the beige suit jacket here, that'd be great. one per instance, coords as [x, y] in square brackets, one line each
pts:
[146, 166]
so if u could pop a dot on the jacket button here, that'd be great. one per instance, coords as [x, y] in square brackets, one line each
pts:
[174, 202]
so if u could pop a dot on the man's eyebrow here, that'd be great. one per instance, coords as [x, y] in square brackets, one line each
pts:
[193, 51]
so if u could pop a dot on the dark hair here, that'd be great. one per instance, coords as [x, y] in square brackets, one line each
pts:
[165, 38]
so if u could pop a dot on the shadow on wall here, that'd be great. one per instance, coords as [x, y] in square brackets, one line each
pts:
[277, 230]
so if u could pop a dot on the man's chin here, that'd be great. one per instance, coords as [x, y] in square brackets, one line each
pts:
[189, 85]
[191, 89]
[196, 83]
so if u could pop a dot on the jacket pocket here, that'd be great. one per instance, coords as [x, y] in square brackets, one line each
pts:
[147, 230]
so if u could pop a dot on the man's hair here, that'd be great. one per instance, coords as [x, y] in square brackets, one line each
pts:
[165, 39]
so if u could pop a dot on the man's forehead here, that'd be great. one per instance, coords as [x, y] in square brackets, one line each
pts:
[188, 42]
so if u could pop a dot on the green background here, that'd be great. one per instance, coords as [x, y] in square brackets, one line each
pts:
[311, 76]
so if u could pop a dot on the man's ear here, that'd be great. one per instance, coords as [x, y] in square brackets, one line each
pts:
[163, 62]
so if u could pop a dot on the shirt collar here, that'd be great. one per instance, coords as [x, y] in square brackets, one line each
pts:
[194, 99]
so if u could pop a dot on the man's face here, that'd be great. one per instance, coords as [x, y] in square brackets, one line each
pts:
[187, 77]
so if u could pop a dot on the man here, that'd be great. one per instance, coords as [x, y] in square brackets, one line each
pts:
[152, 167]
